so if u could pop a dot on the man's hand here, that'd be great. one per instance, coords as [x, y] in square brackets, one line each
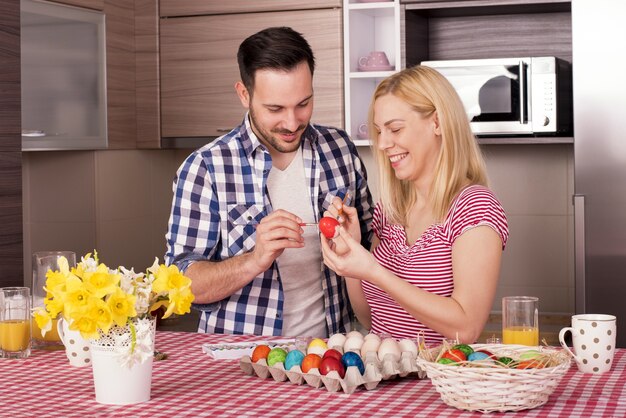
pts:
[275, 232]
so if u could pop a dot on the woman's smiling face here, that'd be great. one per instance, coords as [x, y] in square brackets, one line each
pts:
[411, 141]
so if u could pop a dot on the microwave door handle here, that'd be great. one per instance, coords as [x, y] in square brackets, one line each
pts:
[522, 93]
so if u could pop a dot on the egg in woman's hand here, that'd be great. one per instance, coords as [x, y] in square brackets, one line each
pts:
[336, 340]
[408, 345]
[389, 346]
[317, 346]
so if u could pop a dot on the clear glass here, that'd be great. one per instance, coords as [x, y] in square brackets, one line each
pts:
[42, 262]
[15, 322]
[520, 320]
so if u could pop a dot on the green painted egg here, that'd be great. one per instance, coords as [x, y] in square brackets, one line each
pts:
[276, 355]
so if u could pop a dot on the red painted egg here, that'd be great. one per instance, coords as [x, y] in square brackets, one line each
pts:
[331, 363]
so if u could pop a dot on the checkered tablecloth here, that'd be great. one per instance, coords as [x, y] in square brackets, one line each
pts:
[191, 384]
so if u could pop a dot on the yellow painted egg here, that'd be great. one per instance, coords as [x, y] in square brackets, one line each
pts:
[317, 346]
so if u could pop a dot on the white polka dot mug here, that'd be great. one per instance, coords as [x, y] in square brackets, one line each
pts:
[593, 339]
[77, 348]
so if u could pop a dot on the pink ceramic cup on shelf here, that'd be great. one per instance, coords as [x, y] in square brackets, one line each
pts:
[374, 59]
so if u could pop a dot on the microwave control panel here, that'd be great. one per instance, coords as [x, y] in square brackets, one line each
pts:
[544, 94]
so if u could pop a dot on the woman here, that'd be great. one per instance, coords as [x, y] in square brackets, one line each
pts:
[439, 231]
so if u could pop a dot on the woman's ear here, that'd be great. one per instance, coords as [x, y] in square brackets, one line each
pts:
[436, 126]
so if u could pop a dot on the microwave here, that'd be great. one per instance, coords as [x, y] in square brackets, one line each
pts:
[513, 96]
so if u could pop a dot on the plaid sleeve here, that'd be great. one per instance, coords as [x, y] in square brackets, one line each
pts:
[193, 229]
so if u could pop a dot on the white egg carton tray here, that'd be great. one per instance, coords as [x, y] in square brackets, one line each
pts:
[375, 372]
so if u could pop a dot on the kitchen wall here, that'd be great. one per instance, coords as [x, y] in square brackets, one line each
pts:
[118, 202]
[114, 201]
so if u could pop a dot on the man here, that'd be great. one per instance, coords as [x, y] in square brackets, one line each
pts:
[240, 202]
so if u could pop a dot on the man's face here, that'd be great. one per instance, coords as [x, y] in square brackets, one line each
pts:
[280, 107]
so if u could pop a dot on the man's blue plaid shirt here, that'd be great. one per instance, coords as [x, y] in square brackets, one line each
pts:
[220, 195]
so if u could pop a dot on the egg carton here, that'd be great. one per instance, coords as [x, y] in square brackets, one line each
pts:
[375, 371]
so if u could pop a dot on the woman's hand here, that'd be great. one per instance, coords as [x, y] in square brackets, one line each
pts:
[347, 216]
[344, 255]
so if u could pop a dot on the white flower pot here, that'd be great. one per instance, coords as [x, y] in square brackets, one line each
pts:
[116, 384]
[119, 377]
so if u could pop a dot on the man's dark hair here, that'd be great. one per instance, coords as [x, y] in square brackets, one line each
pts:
[279, 48]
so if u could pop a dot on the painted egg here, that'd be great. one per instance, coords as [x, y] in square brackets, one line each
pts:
[317, 346]
[353, 359]
[489, 353]
[389, 346]
[353, 344]
[477, 355]
[369, 346]
[330, 364]
[466, 349]
[336, 340]
[454, 354]
[408, 345]
[276, 355]
[530, 364]
[294, 358]
[530, 354]
[310, 361]
[260, 351]
[331, 352]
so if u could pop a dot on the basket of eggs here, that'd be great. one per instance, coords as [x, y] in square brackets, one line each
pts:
[497, 377]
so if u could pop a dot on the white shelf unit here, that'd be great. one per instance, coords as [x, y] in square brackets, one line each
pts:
[367, 27]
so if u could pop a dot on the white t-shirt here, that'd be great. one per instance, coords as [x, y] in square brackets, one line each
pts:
[300, 268]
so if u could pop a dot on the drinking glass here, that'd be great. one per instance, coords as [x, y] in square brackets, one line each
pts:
[520, 320]
[15, 322]
[42, 262]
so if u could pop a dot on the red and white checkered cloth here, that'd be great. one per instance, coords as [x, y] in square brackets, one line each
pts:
[191, 384]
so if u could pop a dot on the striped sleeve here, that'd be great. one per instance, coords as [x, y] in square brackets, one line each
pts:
[474, 207]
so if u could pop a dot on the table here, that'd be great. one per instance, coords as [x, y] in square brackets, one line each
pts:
[190, 383]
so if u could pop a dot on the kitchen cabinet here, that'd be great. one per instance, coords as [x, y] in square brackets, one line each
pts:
[11, 255]
[368, 28]
[199, 68]
[195, 8]
[88, 4]
[471, 29]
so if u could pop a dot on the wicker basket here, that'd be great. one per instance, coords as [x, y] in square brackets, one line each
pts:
[491, 388]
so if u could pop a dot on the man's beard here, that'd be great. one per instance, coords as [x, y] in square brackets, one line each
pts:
[269, 140]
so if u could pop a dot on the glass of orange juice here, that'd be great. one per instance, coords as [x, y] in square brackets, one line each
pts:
[44, 261]
[15, 322]
[520, 320]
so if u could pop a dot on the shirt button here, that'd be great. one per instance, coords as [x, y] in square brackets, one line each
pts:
[278, 315]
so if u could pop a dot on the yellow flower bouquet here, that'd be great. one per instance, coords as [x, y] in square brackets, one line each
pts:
[93, 299]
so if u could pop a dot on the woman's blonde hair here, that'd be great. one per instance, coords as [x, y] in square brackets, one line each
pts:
[460, 162]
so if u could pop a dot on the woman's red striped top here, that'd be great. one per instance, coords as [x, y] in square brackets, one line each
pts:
[428, 262]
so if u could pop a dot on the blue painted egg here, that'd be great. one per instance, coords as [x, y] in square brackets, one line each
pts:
[477, 355]
[351, 358]
[294, 358]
